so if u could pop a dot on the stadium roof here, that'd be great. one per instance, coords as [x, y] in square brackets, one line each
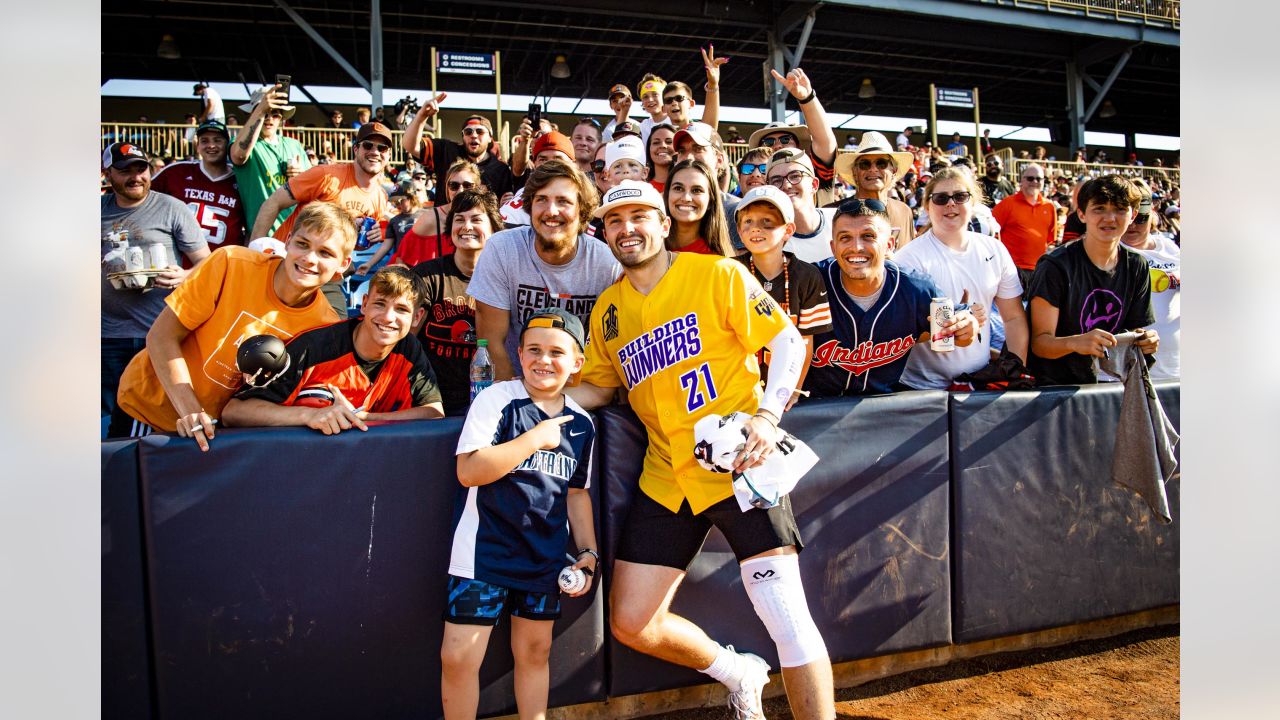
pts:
[1020, 71]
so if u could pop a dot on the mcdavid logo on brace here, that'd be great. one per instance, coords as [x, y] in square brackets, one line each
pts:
[762, 575]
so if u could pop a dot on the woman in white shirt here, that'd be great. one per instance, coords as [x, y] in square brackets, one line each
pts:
[961, 261]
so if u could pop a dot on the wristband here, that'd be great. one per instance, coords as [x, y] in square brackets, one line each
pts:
[813, 94]
[589, 551]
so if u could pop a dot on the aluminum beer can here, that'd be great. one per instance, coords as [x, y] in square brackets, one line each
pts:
[157, 256]
[135, 259]
[362, 237]
[940, 311]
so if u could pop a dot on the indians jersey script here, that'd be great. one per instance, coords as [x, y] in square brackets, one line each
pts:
[683, 351]
[215, 201]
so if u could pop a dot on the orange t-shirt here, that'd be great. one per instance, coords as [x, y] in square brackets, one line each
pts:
[1026, 229]
[335, 183]
[225, 300]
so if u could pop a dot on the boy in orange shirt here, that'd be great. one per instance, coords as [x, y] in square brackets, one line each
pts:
[187, 372]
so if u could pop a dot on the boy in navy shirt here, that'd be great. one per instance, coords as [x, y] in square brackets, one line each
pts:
[524, 458]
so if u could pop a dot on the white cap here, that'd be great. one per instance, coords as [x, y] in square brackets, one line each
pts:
[268, 246]
[630, 192]
[768, 194]
[626, 147]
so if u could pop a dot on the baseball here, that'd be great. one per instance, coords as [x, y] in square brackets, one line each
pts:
[572, 580]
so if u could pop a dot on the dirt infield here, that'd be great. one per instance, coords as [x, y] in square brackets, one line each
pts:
[1133, 676]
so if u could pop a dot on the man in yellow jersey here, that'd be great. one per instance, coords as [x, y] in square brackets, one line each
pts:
[680, 331]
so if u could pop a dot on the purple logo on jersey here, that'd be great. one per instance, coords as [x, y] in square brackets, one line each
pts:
[1102, 309]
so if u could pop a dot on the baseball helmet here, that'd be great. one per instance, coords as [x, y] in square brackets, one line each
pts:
[262, 358]
[317, 396]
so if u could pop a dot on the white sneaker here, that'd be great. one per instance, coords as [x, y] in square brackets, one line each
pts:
[745, 703]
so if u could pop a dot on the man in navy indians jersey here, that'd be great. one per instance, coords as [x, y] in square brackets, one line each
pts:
[878, 310]
[524, 461]
[208, 187]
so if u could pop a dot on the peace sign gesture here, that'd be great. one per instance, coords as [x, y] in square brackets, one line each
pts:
[712, 65]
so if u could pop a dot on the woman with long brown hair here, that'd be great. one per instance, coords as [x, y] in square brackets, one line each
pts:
[697, 216]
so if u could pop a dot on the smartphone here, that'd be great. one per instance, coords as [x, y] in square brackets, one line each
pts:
[283, 81]
[535, 117]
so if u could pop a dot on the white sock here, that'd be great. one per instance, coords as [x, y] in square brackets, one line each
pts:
[728, 668]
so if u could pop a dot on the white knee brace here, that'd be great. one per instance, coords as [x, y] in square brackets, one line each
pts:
[773, 584]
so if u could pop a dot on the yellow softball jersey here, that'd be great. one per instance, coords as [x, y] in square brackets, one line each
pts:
[685, 350]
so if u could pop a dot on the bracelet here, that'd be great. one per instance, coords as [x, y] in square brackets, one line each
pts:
[768, 415]
[589, 551]
[813, 94]
[708, 88]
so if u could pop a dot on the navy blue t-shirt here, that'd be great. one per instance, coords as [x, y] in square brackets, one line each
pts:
[513, 532]
[866, 350]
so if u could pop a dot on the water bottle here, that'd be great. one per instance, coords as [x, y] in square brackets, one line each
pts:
[481, 369]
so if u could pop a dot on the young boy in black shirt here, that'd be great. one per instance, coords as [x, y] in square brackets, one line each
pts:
[1085, 292]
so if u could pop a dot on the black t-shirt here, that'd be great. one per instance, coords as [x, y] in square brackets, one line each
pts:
[449, 332]
[995, 190]
[399, 225]
[1073, 228]
[493, 172]
[1088, 297]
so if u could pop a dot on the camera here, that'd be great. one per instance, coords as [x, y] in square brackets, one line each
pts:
[408, 104]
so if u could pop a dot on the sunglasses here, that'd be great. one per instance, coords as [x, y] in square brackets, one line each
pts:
[474, 131]
[795, 177]
[942, 199]
[455, 186]
[749, 168]
[589, 121]
[597, 166]
[784, 139]
[367, 146]
[880, 163]
[674, 100]
[1033, 178]
[858, 206]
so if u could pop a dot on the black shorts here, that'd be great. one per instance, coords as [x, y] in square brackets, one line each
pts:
[653, 535]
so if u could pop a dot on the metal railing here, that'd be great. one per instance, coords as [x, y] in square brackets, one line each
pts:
[1074, 169]
[1148, 12]
[171, 141]
[175, 141]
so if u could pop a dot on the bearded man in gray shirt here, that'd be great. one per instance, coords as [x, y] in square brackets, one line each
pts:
[549, 263]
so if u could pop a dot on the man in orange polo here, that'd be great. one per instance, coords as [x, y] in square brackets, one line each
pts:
[1028, 222]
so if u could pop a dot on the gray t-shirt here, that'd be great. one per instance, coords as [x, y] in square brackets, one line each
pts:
[159, 219]
[509, 275]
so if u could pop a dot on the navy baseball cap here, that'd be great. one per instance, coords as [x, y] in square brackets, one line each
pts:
[552, 317]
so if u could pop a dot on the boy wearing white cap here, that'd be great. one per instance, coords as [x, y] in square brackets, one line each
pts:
[624, 160]
[766, 221]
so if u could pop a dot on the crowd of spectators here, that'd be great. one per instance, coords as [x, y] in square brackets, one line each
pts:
[438, 211]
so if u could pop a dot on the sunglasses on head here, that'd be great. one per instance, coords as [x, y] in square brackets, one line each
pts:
[942, 199]
[455, 185]
[674, 99]
[858, 206]
[866, 163]
[589, 121]
[783, 139]
[597, 166]
[366, 146]
[795, 177]
[749, 168]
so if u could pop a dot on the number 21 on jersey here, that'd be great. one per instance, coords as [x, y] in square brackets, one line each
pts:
[698, 384]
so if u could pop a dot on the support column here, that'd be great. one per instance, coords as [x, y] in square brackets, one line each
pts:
[375, 56]
[1075, 108]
